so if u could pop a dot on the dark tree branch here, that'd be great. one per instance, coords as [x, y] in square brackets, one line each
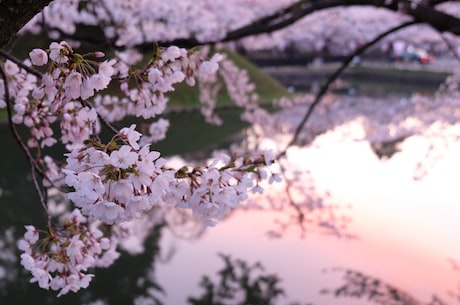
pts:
[333, 77]
[424, 13]
[291, 14]
[14, 14]
[292, 203]
[435, 2]
[285, 17]
[439, 20]
[30, 70]
[34, 168]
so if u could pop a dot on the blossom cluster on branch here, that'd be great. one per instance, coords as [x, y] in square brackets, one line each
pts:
[116, 182]
[60, 258]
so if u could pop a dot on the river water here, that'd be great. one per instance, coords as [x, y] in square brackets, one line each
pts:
[403, 231]
[405, 228]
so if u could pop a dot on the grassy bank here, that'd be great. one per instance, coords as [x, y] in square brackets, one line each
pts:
[190, 133]
[267, 87]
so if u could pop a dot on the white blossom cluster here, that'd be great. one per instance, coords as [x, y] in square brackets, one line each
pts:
[64, 91]
[60, 260]
[143, 92]
[69, 79]
[243, 92]
[20, 85]
[157, 132]
[115, 183]
[239, 87]
[212, 191]
[171, 66]
[70, 76]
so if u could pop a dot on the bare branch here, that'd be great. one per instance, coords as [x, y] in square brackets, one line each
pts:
[333, 77]
[102, 119]
[295, 206]
[30, 70]
[34, 168]
[423, 13]
[291, 14]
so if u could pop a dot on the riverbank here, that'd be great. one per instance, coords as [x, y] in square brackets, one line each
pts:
[412, 75]
[446, 64]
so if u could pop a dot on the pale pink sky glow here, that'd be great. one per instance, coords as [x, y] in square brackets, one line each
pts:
[406, 228]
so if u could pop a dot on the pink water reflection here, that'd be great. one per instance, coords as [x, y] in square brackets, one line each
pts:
[407, 229]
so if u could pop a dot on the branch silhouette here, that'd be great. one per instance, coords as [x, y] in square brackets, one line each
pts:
[362, 286]
[332, 78]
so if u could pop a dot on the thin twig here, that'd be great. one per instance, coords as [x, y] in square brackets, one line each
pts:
[32, 163]
[102, 119]
[295, 206]
[16, 134]
[333, 77]
[449, 46]
[7, 55]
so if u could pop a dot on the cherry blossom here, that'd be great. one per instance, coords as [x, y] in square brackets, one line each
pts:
[60, 257]
[115, 182]
[38, 57]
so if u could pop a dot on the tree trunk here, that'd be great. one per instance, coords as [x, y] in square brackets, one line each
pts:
[14, 14]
